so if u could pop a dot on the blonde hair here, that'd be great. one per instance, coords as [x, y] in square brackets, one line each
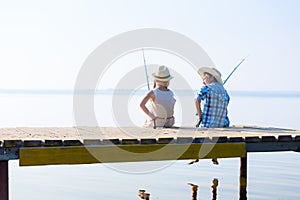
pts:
[161, 83]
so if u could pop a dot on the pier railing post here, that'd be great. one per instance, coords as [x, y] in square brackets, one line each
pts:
[4, 179]
[243, 178]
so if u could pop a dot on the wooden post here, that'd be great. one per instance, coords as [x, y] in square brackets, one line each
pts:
[4, 179]
[194, 191]
[243, 178]
[214, 188]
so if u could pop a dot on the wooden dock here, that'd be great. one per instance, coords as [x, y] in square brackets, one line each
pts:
[18, 143]
[84, 145]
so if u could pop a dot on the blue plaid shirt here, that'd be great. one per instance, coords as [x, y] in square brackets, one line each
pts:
[215, 100]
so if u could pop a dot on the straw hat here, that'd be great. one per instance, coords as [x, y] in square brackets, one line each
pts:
[163, 74]
[211, 70]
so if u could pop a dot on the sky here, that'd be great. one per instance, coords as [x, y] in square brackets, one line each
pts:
[43, 44]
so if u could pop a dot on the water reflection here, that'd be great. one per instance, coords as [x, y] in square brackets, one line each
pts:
[194, 191]
[215, 182]
[143, 195]
[214, 189]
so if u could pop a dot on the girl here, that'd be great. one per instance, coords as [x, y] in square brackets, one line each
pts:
[161, 108]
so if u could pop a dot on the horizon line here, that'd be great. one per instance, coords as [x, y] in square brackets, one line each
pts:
[109, 91]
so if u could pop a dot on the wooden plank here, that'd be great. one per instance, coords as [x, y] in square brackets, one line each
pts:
[165, 140]
[32, 143]
[72, 143]
[12, 143]
[236, 139]
[285, 138]
[47, 133]
[198, 140]
[127, 153]
[53, 143]
[221, 139]
[130, 141]
[254, 139]
[88, 142]
[268, 139]
[111, 141]
[273, 146]
[148, 141]
[184, 140]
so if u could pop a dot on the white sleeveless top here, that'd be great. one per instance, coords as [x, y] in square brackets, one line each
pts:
[163, 106]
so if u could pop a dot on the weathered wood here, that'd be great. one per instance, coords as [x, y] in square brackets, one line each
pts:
[254, 139]
[130, 141]
[257, 139]
[243, 178]
[127, 153]
[79, 133]
[148, 141]
[62, 145]
[200, 140]
[285, 138]
[268, 139]
[72, 143]
[4, 194]
[273, 146]
[88, 142]
[221, 139]
[32, 143]
[12, 143]
[165, 140]
[53, 143]
[236, 139]
[111, 141]
[184, 140]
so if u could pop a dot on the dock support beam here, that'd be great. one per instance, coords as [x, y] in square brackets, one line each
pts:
[243, 178]
[4, 179]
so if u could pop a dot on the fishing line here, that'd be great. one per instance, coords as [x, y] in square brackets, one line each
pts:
[146, 72]
[234, 69]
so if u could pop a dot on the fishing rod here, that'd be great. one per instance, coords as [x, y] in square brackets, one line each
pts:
[234, 70]
[145, 67]
[147, 79]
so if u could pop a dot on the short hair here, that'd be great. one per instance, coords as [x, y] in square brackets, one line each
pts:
[206, 73]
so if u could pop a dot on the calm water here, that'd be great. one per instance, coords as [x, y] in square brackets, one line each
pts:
[270, 175]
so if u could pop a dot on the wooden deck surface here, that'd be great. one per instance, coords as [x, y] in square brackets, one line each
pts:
[83, 145]
[81, 133]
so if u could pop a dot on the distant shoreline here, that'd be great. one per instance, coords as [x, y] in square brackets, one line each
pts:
[262, 94]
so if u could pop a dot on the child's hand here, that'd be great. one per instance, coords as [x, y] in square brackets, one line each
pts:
[199, 122]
